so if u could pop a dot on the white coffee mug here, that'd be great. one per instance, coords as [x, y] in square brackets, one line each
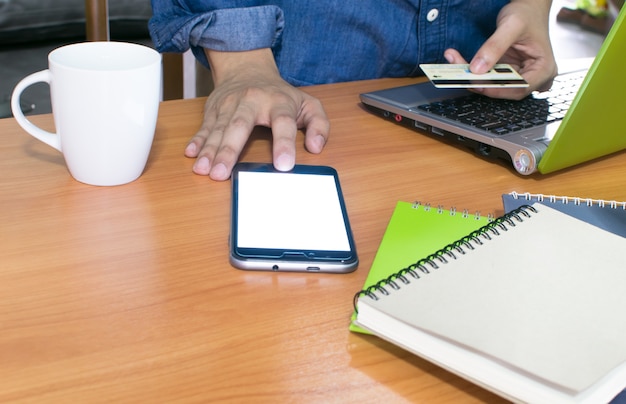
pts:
[105, 101]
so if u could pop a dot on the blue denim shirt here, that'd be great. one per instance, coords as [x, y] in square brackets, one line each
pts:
[326, 41]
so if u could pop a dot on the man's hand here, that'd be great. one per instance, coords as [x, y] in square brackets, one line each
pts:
[249, 92]
[521, 40]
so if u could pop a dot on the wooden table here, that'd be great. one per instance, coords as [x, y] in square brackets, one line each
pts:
[125, 294]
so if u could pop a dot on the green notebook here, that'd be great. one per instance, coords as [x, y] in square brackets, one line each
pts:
[416, 230]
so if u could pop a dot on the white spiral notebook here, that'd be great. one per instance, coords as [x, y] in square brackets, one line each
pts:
[531, 306]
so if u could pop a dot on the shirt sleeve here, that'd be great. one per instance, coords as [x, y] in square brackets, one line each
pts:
[174, 27]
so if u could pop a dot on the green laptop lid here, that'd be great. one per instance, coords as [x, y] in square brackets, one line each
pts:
[595, 124]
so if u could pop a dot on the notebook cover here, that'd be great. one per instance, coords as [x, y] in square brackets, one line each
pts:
[607, 215]
[416, 230]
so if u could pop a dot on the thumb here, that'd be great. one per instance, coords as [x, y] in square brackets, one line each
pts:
[494, 48]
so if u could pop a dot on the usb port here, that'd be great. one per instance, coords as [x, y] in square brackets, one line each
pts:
[437, 131]
[313, 269]
[420, 126]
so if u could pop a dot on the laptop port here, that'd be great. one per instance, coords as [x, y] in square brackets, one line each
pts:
[314, 269]
[437, 131]
[420, 126]
[484, 149]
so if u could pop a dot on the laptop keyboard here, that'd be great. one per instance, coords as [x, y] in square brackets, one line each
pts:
[500, 117]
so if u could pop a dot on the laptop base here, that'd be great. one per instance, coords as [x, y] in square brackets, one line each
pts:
[484, 150]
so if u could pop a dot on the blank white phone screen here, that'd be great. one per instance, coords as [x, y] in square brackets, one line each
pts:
[290, 211]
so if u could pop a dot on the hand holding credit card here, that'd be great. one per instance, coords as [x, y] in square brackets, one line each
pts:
[459, 76]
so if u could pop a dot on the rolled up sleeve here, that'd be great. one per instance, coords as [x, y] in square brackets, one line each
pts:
[177, 28]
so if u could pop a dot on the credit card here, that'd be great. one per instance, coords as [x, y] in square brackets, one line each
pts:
[459, 76]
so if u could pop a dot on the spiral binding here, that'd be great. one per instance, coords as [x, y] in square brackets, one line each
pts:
[453, 210]
[449, 252]
[566, 200]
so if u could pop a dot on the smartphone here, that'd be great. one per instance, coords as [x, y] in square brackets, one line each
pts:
[289, 221]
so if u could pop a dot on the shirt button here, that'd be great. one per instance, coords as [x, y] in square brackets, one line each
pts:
[432, 15]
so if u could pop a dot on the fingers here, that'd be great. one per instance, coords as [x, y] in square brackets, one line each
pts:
[495, 47]
[314, 119]
[284, 129]
[453, 56]
[229, 121]
[521, 40]
[285, 122]
[220, 140]
[196, 143]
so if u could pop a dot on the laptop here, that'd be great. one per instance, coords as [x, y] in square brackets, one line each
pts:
[581, 118]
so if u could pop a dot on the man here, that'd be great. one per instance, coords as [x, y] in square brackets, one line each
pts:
[258, 51]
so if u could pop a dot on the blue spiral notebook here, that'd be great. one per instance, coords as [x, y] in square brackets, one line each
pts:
[607, 215]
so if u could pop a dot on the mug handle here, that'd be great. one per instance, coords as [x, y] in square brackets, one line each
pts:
[50, 139]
